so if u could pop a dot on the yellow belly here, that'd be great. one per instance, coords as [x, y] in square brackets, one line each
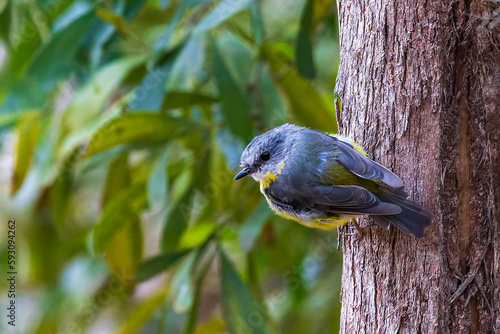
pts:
[328, 224]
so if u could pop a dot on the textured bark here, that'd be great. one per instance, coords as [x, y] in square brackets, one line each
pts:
[419, 83]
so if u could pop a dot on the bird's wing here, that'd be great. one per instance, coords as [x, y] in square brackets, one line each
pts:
[351, 199]
[364, 167]
[334, 199]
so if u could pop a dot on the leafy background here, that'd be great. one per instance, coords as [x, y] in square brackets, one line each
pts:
[121, 126]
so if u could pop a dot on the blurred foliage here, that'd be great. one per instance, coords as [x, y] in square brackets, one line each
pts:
[122, 122]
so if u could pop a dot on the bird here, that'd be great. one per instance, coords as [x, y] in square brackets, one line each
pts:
[324, 181]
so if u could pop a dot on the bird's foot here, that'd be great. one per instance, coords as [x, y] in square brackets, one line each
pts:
[355, 230]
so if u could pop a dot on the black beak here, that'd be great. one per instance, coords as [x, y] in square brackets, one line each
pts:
[242, 174]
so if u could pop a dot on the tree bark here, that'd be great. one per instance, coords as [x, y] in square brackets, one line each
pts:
[419, 83]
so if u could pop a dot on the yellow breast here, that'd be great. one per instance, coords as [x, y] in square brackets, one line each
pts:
[266, 180]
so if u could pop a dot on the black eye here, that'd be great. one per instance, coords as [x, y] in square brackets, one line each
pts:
[265, 156]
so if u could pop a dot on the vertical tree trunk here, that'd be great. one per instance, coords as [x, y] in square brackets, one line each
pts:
[419, 83]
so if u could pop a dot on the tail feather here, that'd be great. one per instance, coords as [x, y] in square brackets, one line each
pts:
[413, 218]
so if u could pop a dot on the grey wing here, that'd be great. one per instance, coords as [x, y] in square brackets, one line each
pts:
[366, 168]
[332, 199]
[350, 200]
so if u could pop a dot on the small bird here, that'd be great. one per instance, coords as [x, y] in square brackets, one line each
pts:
[323, 181]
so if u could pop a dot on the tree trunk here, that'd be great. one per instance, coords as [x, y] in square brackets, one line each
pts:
[419, 83]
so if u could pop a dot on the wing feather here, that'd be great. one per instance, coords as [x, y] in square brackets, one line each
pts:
[364, 167]
[351, 199]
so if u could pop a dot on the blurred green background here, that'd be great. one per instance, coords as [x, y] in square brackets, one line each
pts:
[121, 126]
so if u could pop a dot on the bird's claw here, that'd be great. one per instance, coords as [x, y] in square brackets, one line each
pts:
[359, 231]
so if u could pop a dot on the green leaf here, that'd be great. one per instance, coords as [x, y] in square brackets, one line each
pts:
[115, 20]
[197, 234]
[303, 44]
[257, 24]
[9, 118]
[239, 59]
[158, 183]
[44, 165]
[94, 95]
[157, 264]
[183, 285]
[117, 179]
[204, 262]
[138, 128]
[28, 132]
[5, 19]
[241, 311]
[252, 226]
[175, 100]
[274, 111]
[321, 9]
[176, 221]
[189, 68]
[306, 104]
[165, 38]
[178, 212]
[151, 91]
[44, 70]
[123, 251]
[126, 204]
[124, 248]
[235, 106]
[214, 325]
[68, 13]
[142, 313]
[61, 190]
[71, 141]
[222, 11]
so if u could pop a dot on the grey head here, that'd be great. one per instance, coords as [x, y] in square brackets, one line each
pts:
[267, 152]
